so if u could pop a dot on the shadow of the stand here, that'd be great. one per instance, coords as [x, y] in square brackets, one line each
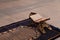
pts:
[55, 28]
[25, 22]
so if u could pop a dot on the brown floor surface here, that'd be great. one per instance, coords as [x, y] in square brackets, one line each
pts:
[16, 10]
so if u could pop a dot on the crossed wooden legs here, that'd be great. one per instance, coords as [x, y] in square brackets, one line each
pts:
[42, 25]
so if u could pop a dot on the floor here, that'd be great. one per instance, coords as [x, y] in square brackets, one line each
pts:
[16, 10]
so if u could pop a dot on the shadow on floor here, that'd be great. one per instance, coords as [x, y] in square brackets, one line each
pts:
[25, 22]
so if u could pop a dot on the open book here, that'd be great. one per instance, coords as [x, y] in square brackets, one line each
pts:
[38, 18]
